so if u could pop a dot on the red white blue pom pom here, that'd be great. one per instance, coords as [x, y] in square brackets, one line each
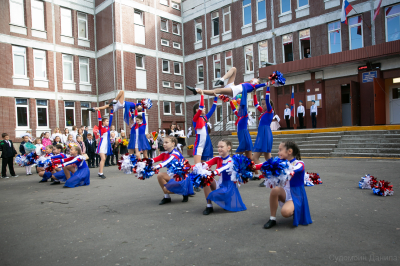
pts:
[241, 169]
[201, 176]
[127, 163]
[276, 172]
[367, 182]
[383, 189]
[144, 169]
[311, 179]
[178, 169]
[147, 103]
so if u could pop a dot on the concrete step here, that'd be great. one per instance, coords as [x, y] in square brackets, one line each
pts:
[386, 132]
[375, 140]
[364, 154]
[307, 142]
[369, 145]
[377, 151]
[372, 136]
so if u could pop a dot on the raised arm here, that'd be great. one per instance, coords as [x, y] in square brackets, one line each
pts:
[234, 109]
[267, 96]
[144, 118]
[201, 107]
[214, 106]
[258, 107]
[100, 121]
[111, 118]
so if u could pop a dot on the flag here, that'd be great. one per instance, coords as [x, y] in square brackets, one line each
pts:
[377, 9]
[292, 103]
[346, 8]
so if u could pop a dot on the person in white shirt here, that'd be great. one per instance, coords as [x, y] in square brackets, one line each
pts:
[314, 112]
[287, 116]
[113, 130]
[74, 132]
[301, 113]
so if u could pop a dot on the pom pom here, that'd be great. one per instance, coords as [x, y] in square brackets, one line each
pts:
[383, 189]
[200, 175]
[242, 168]
[147, 103]
[29, 147]
[20, 160]
[277, 79]
[276, 172]
[307, 180]
[31, 158]
[144, 169]
[314, 178]
[127, 163]
[224, 98]
[178, 169]
[367, 182]
[43, 161]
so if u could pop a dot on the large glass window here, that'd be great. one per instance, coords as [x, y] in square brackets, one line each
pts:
[285, 6]
[227, 18]
[17, 14]
[246, 12]
[22, 112]
[217, 66]
[167, 108]
[66, 22]
[198, 29]
[200, 71]
[42, 113]
[335, 44]
[392, 14]
[19, 61]
[301, 3]
[68, 68]
[215, 23]
[178, 108]
[177, 68]
[85, 114]
[84, 69]
[228, 60]
[261, 10]
[263, 53]
[37, 8]
[82, 26]
[355, 31]
[248, 51]
[165, 66]
[39, 64]
[69, 114]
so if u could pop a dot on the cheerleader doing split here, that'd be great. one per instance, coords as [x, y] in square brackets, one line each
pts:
[104, 148]
[203, 149]
[168, 184]
[223, 192]
[57, 149]
[76, 171]
[292, 198]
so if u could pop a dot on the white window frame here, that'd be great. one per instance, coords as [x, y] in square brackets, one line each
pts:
[179, 87]
[21, 6]
[42, 55]
[329, 37]
[180, 104]
[39, 5]
[166, 23]
[175, 5]
[166, 42]
[165, 4]
[353, 26]
[47, 113]
[178, 27]
[166, 84]
[245, 58]
[176, 45]
[19, 54]
[212, 23]
[86, 23]
[64, 19]
[72, 67]
[90, 120]
[216, 60]
[88, 70]
[136, 59]
[27, 113]
[169, 67]
[65, 114]
[198, 64]
[386, 18]
[251, 17]
[283, 48]
[180, 68]
[230, 19]
[264, 19]
[301, 7]
[227, 57]
[290, 6]
[196, 24]
[137, 11]
[259, 52]
[170, 107]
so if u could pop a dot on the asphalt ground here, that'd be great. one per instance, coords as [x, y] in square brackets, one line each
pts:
[117, 221]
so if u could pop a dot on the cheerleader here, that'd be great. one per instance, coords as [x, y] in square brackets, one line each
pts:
[75, 165]
[168, 184]
[245, 142]
[142, 142]
[287, 116]
[133, 138]
[57, 154]
[203, 149]
[292, 198]
[47, 153]
[104, 148]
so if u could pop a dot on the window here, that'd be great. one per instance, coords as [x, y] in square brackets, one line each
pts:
[261, 10]
[37, 8]
[263, 53]
[301, 3]
[139, 61]
[85, 114]
[227, 18]
[177, 68]
[164, 24]
[39, 64]
[248, 51]
[165, 66]
[176, 28]
[66, 22]
[198, 29]
[176, 45]
[215, 23]
[19, 60]
[355, 31]
[287, 41]
[219, 117]
[17, 16]
[175, 5]
[178, 108]
[335, 45]
[42, 114]
[84, 69]
[164, 2]
[82, 26]
[200, 71]
[246, 12]
[22, 112]
[392, 23]
[167, 108]
[166, 84]
[228, 60]
[68, 68]
[164, 42]
[285, 6]
[305, 47]
[138, 17]
[69, 114]
[217, 66]
[178, 86]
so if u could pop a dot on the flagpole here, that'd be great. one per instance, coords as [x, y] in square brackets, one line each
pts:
[294, 114]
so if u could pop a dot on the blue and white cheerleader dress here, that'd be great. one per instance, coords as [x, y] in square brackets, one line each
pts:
[142, 142]
[264, 138]
[81, 177]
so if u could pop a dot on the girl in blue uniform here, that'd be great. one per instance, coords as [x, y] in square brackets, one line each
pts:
[223, 192]
[245, 142]
[133, 138]
[292, 198]
[142, 142]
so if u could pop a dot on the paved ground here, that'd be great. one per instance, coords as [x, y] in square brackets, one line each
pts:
[117, 221]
